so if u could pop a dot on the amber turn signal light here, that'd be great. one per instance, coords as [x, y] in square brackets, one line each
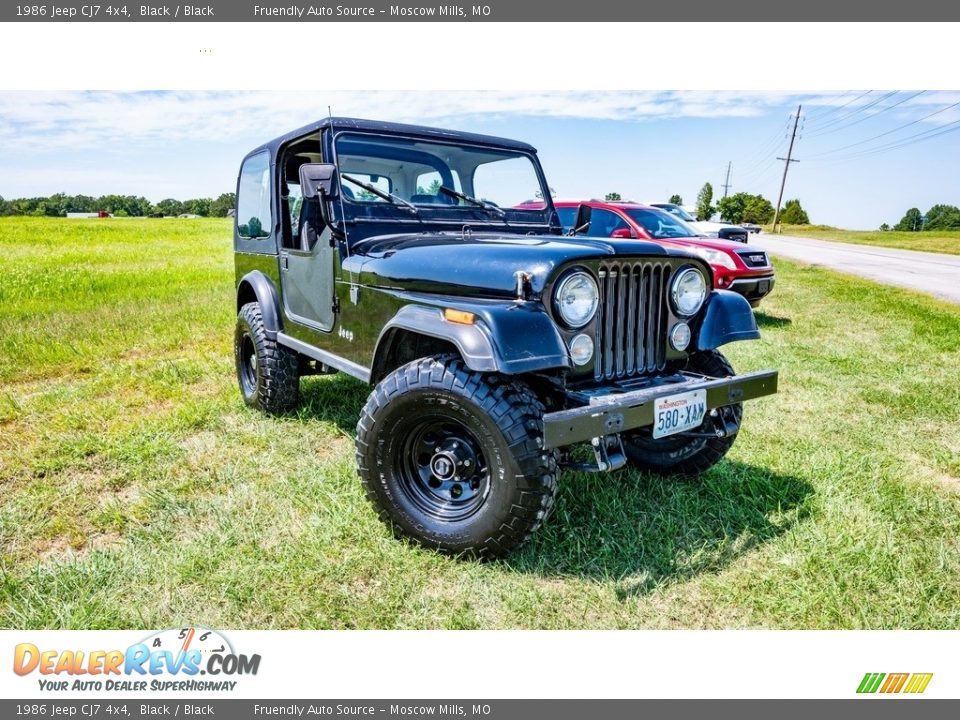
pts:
[459, 316]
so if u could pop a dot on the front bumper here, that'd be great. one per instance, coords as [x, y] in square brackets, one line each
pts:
[619, 412]
[753, 289]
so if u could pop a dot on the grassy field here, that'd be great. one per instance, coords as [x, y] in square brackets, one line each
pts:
[138, 491]
[939, 241]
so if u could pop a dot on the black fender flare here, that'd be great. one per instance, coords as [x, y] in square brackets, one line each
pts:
[728, 318]
[508, 338]
[256, 285]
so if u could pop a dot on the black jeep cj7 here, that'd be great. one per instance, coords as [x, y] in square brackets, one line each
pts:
[431, 264]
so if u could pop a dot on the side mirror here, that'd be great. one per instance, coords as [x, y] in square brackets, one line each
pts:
[622, 234]
[317, 181]
[582, 223]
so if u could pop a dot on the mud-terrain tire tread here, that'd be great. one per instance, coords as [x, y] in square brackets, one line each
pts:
[518, 415]
[278, 367]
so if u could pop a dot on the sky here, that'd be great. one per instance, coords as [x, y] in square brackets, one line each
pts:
[865, 156]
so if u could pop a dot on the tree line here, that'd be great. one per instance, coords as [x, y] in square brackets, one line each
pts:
[939, 217]
[60, 204]
[744, 207]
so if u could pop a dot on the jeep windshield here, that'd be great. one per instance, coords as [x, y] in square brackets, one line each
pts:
[660, 225]
[445, 182]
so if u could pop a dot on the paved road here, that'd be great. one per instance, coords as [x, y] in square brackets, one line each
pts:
[932, 273]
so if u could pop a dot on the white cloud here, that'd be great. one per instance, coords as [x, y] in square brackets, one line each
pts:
[111, 120]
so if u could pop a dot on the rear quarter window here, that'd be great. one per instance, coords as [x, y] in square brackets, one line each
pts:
[254, 219]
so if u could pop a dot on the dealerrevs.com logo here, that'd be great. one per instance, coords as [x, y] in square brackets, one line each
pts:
[892, 683]
[169, 660]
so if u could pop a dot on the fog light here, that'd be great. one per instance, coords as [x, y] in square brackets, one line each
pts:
[581, 349]
[680, 336]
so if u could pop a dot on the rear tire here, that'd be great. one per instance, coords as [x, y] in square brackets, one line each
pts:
[679, 455]
[268, 373]
[452, 459]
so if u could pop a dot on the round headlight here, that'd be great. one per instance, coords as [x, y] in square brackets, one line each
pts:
[581, 349]
[688, 292]
[680, 336]
[576, 299]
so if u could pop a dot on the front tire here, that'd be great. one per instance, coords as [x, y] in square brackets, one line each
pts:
[268, 373]
[685, 455]
[452, 459]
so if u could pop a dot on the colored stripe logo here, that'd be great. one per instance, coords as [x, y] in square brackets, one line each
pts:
[913, 683]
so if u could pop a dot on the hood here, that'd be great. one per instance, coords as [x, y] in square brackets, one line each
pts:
[707, 242]
[714, 226]
[482, 265]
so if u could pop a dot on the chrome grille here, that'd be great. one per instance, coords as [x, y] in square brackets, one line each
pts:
[631, 320]
[753, 258]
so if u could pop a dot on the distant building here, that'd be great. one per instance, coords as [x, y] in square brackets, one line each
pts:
[80, 215]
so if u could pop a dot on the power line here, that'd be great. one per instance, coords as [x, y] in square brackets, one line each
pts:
[888, 132]
[863, 108]
[901, 143]
[872, 115]
[760, 153]
[819, 118]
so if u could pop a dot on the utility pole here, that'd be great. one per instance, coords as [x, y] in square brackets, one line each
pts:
[726, 183]
[786, 166]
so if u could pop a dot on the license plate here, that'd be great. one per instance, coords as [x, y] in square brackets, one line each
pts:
[676, 413]
[763, 286]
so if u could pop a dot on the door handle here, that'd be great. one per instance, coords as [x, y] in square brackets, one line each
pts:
[284, 263]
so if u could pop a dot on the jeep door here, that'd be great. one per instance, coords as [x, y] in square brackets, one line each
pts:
[306, 259]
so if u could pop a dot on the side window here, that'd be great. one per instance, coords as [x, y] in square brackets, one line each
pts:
[604, 222]
[253, 199]
[294, 205]
[568, 216]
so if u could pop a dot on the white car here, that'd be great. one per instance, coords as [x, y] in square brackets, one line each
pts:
[722, 230]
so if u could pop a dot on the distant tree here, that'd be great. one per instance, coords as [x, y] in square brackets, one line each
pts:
[942, 217]
[197, 206]
[884, 228]
[4, 206]
[675, 200]
[223, 204]
[732, 207]
[912, 221]
[170, 206]
[759, 210]
[705, 209]
[794, 214]
[612, 197]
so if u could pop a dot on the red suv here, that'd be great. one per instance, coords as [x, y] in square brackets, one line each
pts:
[735, 267]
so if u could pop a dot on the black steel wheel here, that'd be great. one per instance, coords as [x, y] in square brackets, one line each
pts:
[268, 373]
[684, 454]
[452, 459]
[441, 466]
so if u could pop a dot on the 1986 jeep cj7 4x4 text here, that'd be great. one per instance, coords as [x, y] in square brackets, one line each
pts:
[431, 264]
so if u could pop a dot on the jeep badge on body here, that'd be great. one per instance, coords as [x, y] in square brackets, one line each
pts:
[431, 264]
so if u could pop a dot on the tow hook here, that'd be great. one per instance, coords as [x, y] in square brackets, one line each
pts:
[723, 422]
[609, 454]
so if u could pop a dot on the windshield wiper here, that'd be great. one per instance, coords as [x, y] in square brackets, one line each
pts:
[485, 204]
[382, 194]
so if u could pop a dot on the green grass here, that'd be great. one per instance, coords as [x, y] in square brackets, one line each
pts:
[138, 491]
[938, 241]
